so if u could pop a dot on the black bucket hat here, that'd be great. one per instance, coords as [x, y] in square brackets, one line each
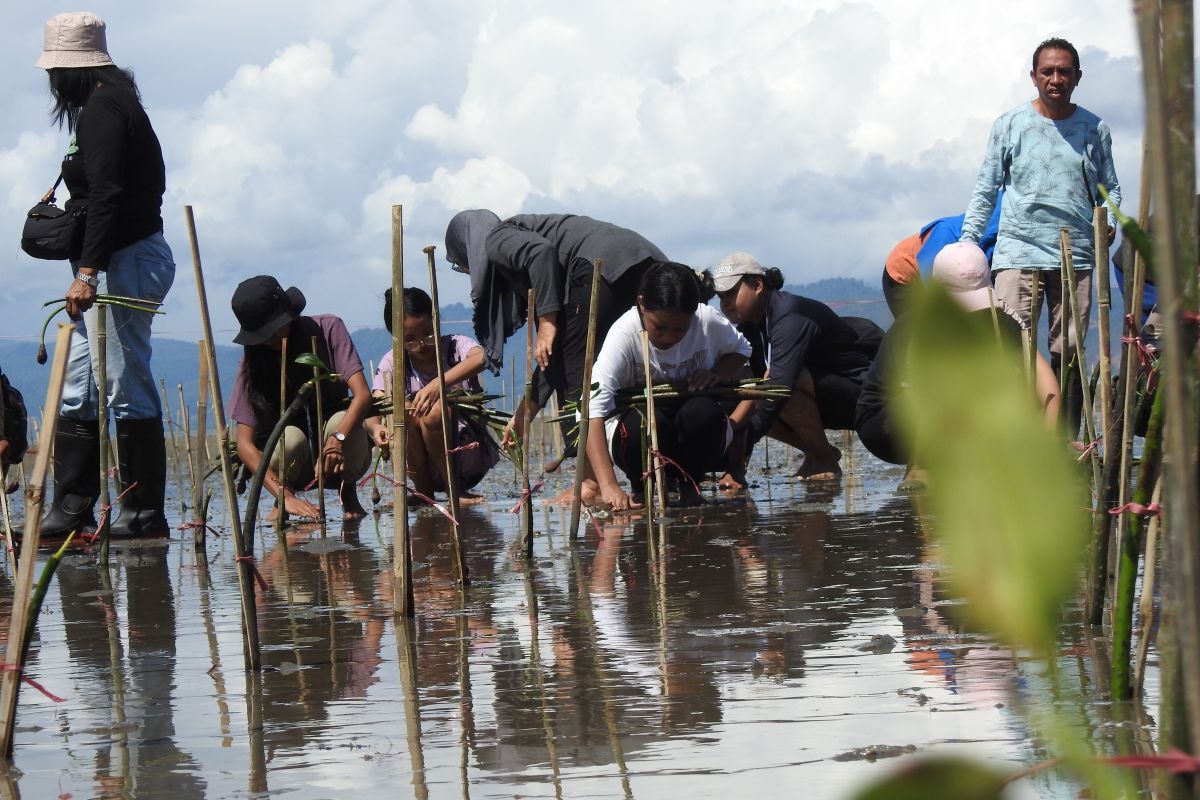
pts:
[263, 307]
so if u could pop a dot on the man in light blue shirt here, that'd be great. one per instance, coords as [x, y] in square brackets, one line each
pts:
[1048, 156]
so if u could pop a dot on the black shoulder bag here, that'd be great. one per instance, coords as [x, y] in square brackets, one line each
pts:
[53, 233]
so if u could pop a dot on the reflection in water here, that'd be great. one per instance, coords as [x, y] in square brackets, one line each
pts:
[120, 632]
[728, 648]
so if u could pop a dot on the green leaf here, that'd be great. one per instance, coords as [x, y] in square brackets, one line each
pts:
[1007, 500]
[311, 360]
[937, 777]
[1132, 231]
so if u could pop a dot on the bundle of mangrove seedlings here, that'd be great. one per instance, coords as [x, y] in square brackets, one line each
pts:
[473, 406]
[748, 389]
[109, 300]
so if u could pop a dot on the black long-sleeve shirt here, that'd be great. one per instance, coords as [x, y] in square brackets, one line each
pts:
[115, 168]
[800, 332]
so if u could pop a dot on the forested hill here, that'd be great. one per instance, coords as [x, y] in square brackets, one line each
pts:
[175, 361]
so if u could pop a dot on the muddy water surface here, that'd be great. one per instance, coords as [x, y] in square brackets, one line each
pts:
[797, 643]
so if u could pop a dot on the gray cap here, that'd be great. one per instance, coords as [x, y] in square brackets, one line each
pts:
[733, 267]
[72, 40]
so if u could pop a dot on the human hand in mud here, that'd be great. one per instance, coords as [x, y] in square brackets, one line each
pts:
[704, 379]
[299, 507]
[426, 399]
[616, 497]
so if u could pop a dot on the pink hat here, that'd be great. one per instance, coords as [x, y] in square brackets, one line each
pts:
[75, 39]
[963, 269]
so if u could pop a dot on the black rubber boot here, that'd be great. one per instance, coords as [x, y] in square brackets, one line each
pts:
[76, 478]
[141, 457]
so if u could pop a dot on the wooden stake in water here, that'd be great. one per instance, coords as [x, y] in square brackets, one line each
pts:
[401, 540]
[1035, 303]
[654, 462]
[585, 397]
[243, 548]
[526, 439]
[280, 510]
[199, 510]
[1085, 389]
[1063, 326]
[202, 454]
[102, 416]
[320, 426]
[35, 491]
[174, 448]
[447, 419]
[1101, 521]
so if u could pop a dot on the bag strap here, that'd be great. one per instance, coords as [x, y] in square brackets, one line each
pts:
[48, 197]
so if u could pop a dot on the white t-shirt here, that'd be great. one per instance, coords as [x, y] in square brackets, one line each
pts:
[619, 365]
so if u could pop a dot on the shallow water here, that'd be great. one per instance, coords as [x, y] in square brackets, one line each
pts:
[800, 641]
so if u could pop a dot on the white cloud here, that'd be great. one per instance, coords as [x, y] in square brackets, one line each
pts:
[814, 134]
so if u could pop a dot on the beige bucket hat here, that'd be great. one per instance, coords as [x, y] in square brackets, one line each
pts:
[75, 39]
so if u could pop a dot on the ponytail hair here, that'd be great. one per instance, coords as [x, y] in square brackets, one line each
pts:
[670, 286]
[773, 279]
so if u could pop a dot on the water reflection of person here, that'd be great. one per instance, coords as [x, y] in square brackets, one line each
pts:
[141, 689]
[324, 616]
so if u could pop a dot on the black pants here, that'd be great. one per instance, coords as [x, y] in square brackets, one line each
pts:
[565, 376]
[895, 293]
[691, 433]
[876, 433]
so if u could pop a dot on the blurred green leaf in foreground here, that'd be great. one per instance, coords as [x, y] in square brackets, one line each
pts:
[1006, 500]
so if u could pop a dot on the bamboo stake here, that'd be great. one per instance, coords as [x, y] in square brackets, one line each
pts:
[401, 537]
[1064, 321]
[8, 531]
[1129, 378]
[1146, 604]
[1127, 565]
[202, 454]
[654, 462]
[1035, 303]
[10, 680]
[175, 469]
[1101, 521]
[320, 426]
[1170, 111]
[280, 509]
[102, 401]
[585, 397]
[447, 420]
[199, 515]
[1089, 421]
[526, 440]
[244, 548]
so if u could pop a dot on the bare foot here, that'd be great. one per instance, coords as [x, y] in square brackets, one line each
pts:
[351, 506]
[589, 493]
[469, 499]
[688, 497]
[732, 484]
[563, 498]
[824, 467]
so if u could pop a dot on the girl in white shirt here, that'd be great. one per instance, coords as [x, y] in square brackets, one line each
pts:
[691, 344]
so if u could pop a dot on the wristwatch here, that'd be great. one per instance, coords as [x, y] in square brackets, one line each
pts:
[341, 437]
[90, 280]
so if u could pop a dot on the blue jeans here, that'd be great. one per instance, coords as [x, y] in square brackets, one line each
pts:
[144, 269]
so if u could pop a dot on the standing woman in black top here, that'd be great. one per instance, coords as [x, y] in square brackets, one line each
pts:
[114, 167]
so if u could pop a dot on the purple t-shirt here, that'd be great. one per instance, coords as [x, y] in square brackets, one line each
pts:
[455, 349]
[346, 363]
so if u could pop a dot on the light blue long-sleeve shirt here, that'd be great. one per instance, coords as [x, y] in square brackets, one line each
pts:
[1048, 170]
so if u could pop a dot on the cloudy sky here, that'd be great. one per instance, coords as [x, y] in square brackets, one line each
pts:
[812, 134]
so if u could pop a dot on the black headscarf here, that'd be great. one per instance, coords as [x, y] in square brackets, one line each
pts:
[498, 311]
